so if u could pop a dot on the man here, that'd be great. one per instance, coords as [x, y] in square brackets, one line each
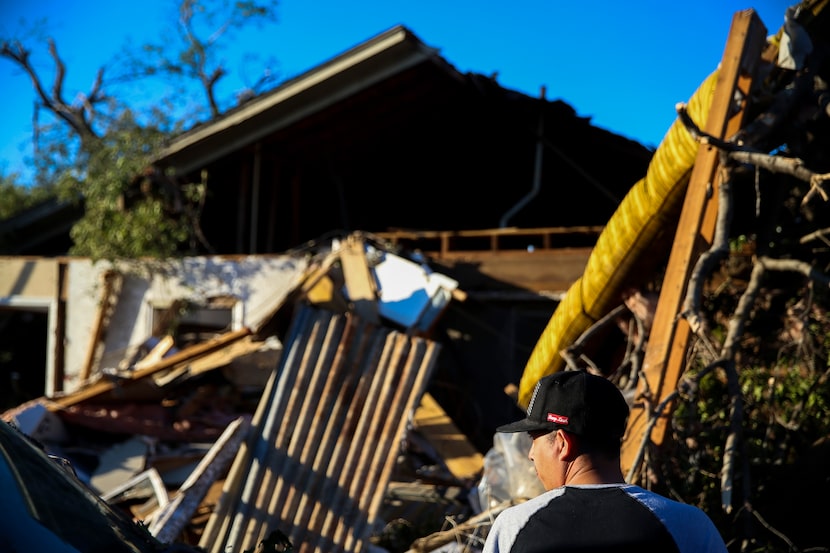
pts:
[576, 421]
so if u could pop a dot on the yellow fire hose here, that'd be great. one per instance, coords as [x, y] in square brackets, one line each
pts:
[633, 242]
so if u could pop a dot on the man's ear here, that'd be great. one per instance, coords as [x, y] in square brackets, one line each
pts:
[568, 451]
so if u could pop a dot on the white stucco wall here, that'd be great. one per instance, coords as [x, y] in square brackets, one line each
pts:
[260, 283]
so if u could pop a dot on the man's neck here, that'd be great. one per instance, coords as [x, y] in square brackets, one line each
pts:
[584, 471]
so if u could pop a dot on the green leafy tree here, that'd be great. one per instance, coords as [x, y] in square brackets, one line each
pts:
[100, 149]
[16, 197]
[129, 218]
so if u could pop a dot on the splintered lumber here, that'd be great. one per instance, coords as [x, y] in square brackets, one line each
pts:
[224, 356]
[157, 353]
[173, 517]
[175, 361]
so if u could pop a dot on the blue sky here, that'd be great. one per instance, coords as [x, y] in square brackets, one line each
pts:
[622, 64]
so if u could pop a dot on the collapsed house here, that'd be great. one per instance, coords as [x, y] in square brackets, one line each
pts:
[308, 372]
[312, 159]
[125, 350]
[320, 349]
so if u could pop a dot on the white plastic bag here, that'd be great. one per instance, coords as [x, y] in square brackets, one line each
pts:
[508, 473]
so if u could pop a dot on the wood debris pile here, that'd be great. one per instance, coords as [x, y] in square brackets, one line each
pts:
[315, 424]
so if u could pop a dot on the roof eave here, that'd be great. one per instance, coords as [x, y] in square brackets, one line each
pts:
[361, 67]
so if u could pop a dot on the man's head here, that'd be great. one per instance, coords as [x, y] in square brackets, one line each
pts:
[589, 408]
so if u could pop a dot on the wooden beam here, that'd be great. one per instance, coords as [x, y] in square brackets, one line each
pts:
[177, 360]
[666, 351]
[111, 284]
[58, 349]
[172, 518]
[462, 459]
[157, 353]
[359, 280]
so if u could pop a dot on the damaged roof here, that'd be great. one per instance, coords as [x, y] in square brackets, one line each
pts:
[390, 135]
[362, 67]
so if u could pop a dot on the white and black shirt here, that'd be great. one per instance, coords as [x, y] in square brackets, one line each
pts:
[604, 517]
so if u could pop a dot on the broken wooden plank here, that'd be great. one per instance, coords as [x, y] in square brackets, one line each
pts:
[224, 356]
[156, 354]
[462, 459]
[219, 358]
[183, 357]
[173, 517]
[359, 280]
[665, 355]
[112, 282]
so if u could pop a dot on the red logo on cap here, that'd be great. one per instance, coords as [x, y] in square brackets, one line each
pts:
[557, 419]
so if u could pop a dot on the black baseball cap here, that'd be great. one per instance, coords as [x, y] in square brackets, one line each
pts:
[576, 401]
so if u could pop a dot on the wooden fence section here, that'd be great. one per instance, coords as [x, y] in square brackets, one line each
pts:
[324, 438]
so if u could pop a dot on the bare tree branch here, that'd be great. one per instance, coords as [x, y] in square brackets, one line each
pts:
[574, 350]
[78, 118]
[197, 52]
[772, 163]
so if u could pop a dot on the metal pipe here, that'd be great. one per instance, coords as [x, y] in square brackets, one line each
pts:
[537, 168]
